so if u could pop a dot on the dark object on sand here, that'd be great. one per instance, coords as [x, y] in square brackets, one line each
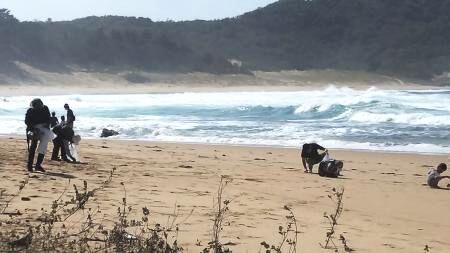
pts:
[108, 132]
[330, 168]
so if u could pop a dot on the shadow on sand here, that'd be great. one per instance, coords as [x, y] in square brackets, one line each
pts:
[59, 174]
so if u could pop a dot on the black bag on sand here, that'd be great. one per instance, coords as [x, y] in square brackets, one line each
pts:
[330, 168]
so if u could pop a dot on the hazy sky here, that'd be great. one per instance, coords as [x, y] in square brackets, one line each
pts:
[154, 9]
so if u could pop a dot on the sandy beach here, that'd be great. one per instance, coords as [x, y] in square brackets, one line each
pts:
[387, 207]
[76, 82]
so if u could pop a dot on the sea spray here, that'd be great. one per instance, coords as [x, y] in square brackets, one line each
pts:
[374, 119]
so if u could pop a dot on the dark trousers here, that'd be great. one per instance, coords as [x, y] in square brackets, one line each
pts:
[58, 144]
[31, 152]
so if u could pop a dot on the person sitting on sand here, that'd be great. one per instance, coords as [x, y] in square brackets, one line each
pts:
[53, 120]
[310, 155]
[434, 175]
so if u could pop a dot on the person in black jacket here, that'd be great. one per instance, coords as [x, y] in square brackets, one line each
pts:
[37, 120]
[53, 120]
[63, 133]
[310, 155]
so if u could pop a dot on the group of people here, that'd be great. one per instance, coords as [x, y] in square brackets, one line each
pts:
[313, 153]
[42, 128]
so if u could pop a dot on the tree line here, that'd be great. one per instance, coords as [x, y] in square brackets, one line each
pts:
[406, 38]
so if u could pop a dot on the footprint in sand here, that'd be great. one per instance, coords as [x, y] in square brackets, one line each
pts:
[389, 245]
[253, 180]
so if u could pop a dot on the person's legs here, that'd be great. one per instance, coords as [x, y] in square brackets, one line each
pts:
[31, 153]
[68, 153]
[434, 183]
[310, 163]
[314, 160]
[56, 148]
[44, 139]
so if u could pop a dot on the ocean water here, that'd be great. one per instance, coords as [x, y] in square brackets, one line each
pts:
[411, 121]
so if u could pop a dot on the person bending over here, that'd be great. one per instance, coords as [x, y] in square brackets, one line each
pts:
[310, 155]
[63, 134]
[434, 175]
[37, 120]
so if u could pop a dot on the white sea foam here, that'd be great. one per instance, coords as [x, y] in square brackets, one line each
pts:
[405, 118]
[413, 121]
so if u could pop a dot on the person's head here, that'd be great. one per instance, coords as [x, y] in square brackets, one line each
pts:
[63, 118]
[442, 167]
[36, 103]
[53, 114]
[66, 106]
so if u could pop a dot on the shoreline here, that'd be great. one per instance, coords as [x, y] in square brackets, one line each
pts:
[141, 141]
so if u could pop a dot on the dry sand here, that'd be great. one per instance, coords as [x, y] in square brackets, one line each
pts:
[387, 206]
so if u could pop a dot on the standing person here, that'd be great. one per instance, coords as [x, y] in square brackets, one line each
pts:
[310, 155]
[37, 120]
[70, 116]
[53, 120]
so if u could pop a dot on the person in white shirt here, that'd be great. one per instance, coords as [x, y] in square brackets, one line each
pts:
[434, 175]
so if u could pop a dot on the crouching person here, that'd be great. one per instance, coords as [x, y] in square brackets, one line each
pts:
[434, 175]
[64, 134]
[310, 155]
[37, 120]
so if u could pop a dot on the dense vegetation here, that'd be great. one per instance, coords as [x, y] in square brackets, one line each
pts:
[402, 37]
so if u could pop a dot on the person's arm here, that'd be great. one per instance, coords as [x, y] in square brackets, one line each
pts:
[304, 163]
[47, 116]
[28, 119]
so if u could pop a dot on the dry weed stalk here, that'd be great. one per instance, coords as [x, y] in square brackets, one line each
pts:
[337, 197]
[54, 232]
[289, 236]
[220, 209]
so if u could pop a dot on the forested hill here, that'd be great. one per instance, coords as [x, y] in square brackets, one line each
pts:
[408, 38]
